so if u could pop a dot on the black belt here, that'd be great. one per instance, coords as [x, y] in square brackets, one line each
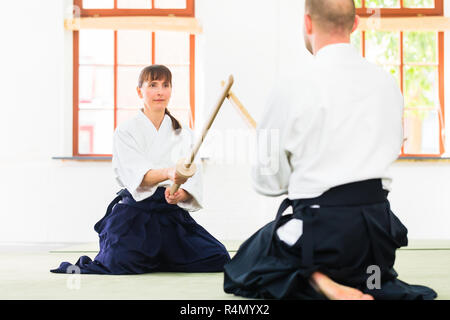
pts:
[352, 194]
[125, 196]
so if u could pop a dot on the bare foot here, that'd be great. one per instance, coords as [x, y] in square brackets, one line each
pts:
[336, 291]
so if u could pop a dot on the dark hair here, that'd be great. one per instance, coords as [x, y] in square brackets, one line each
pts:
[332, 15]
[159, 72]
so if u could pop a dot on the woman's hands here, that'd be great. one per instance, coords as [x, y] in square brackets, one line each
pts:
[179, 196]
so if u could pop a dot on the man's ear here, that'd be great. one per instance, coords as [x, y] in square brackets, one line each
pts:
[356, 23]
[308, 24]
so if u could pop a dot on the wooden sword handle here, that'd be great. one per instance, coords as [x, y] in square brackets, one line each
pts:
[174, 188]
[184, 171]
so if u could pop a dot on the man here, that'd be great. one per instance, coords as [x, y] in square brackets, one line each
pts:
[334, 131]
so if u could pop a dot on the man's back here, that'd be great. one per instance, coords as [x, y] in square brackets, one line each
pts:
[333, 131]
[341, 123]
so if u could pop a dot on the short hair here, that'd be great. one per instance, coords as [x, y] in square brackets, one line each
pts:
[332, 15]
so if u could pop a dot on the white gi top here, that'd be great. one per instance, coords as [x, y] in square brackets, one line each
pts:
[339, 121]
[139, 147]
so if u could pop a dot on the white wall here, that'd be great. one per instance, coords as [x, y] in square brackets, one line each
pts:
[447, 72]
[49, 200]
[43, 199]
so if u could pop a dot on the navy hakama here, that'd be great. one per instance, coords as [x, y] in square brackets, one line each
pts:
[150, 236]
[345, 231]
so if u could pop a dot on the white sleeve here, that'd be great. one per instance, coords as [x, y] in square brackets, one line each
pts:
[271, 171]
[130, 165]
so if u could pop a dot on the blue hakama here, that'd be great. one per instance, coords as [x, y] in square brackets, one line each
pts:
[150, 236]
[345, 231]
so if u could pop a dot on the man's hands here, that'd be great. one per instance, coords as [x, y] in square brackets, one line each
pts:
[179, 196]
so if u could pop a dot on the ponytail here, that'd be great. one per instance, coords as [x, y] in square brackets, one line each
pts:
[175, 124]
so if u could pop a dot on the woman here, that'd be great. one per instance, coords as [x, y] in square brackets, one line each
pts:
[146, 229]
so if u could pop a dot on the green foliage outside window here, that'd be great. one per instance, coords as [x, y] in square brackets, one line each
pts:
[382, 3]
[420, 67]
[419, 59]
[395, 3]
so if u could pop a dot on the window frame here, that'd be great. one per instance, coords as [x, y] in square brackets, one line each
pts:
[438, 10]
[189, 11]
[86, 13]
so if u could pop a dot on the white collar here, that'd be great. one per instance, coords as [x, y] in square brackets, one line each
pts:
[164, 122]
[336, 52]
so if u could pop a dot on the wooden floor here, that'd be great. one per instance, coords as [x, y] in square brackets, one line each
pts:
[24, 274]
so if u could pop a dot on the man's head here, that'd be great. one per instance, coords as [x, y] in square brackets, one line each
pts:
[328, 21]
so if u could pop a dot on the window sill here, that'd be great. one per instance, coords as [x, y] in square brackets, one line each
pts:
[94, 158]
[84, 158]
[423, 159]
[109, 158]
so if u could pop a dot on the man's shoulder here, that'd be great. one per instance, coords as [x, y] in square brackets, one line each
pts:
[293, 84]
[298, 75]
[377, 72]
[292, 94]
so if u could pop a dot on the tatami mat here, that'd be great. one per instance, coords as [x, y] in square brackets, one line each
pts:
[233, 246]
[26, 275]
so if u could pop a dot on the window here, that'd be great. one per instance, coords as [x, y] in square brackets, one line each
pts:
[107, 64]
[416, 60]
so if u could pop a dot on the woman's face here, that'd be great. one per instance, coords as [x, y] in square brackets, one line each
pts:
[156, 94]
